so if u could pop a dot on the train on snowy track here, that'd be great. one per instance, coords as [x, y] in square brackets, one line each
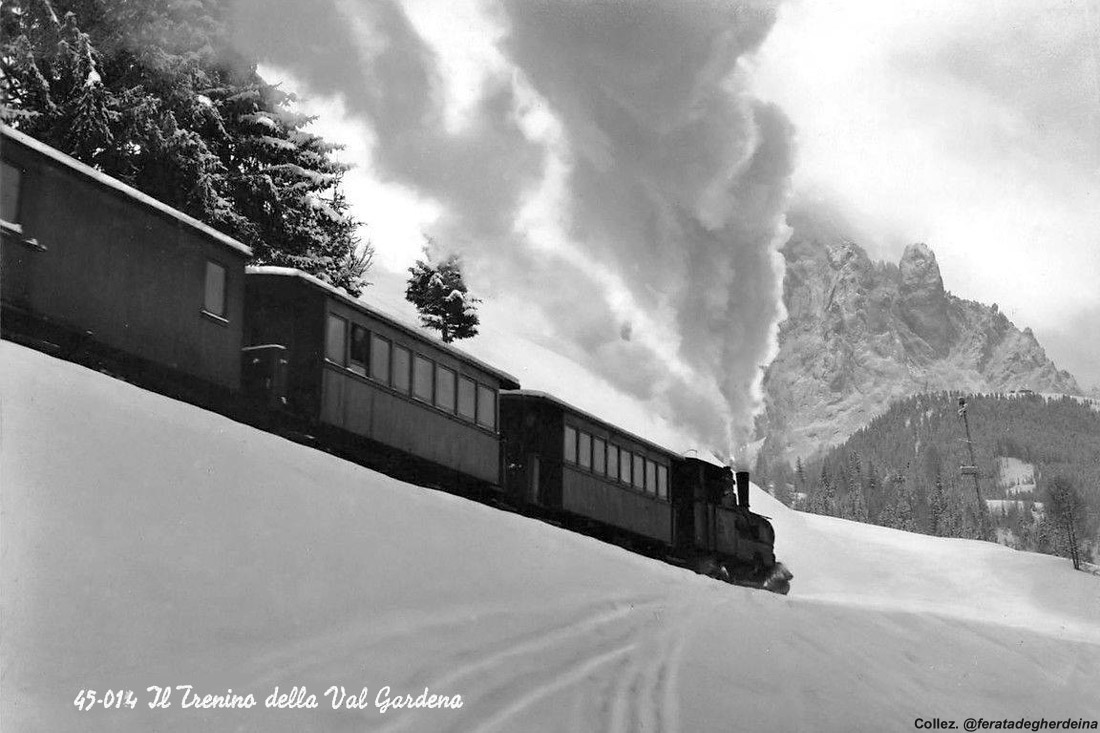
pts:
[94, 271]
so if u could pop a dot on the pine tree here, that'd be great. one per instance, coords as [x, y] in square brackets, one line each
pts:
[904, 512]
[1064, 507]
[827, 494]
[859, 505]
[937, 509]
[440, 295]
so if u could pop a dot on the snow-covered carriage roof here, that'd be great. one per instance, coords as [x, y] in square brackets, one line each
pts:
[113, 183]
[507, 381]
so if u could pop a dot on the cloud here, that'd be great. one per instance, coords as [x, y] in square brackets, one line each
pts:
[974, 127]
[600, 162]
[1072, 346]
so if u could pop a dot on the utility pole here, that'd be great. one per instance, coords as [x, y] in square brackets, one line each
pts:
[972, 469]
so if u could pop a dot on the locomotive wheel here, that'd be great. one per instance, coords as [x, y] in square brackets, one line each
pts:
[708, 566]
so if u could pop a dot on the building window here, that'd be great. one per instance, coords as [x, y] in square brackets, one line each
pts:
[379, 358]
[584, 450]
[570, 447]
[651, 477]
[402, 360]
[624, 466]
[486, 407]
[214, 303]
[467, 398]
[445, 388]
[613, 461]
[422, 378]
[357, 358]
[639, 472]
[662, 482]
[11, 182]
[599, 455]
[335, 337]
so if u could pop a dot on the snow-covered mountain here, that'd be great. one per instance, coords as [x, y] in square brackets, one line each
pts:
[860, 334]
[149, 543]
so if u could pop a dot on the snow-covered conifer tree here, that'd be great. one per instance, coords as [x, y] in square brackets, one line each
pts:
[440, 295]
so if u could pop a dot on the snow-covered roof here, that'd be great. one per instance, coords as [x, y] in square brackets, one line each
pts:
[129, 191]
[506, 379]
[535, 394]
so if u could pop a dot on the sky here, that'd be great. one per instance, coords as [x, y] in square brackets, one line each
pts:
[615, 173]
[973, 127]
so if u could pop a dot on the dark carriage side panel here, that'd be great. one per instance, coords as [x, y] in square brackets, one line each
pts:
[533, 462]
[625, 503]
[538, 428]
[588, 496]
[687, 483]
[285, 311]
[376, 410]
[94, 259]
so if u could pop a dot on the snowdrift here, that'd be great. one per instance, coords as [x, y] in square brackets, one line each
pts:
[148, 543]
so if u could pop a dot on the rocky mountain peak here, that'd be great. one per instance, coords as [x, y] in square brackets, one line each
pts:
[918, 264]
[922, 302]
[860, 334]
[846, 253]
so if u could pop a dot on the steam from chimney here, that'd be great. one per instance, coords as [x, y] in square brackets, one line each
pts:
[610, 167]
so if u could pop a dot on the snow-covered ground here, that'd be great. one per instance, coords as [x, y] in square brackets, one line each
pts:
[146, 542]
[998, 506]
[1015, 476]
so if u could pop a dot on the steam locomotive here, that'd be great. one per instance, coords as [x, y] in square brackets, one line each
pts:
[97, 272]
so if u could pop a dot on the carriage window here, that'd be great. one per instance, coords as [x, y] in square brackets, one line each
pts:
[584, 450]
[334, 339]
[445, 388]
[570, 444]
[401, 361]
[379, 358]
[486, 407]
[599, 455]
[662, 481]
[651, 477]
[624, 466]
[215, 289]
[613, 461]
[12, 180]
[422, 379]
[467, 398]
[357, 359]
[639, 472]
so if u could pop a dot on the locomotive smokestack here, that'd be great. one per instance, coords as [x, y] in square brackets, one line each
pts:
[742, 489]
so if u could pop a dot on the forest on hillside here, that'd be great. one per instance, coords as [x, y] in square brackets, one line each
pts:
[903, 470]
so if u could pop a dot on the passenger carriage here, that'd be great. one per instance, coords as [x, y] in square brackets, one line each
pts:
[89, 263]
[350, 367]
[562, 459]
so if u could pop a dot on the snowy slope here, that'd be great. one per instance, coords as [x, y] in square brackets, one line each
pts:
[146, 542]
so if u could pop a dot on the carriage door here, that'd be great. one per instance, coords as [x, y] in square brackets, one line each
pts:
[533, 476]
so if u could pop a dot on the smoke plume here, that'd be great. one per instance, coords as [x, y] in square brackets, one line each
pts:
[611, 167]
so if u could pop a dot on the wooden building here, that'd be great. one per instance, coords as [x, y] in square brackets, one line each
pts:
[87, 258]
[352, 367]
